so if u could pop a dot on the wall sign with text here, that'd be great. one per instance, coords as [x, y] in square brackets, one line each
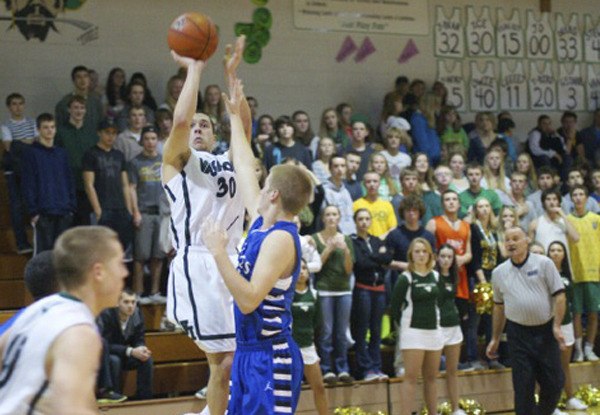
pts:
[513, 86]
[448, 34]
[510, 40]
[483, 87]
[450, 72]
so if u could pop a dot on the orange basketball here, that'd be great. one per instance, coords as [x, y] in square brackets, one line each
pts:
[193, 35]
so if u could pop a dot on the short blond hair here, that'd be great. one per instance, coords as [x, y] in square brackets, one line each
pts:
[78, 249]
[294, 186]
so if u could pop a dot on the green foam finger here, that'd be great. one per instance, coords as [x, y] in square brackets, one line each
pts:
[253, 52]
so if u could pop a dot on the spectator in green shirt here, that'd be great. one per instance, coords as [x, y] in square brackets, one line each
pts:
[475, 191]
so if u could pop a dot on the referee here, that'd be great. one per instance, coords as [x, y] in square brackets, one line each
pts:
[529, 293]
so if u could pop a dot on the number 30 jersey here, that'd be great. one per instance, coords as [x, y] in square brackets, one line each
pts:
[205, 189]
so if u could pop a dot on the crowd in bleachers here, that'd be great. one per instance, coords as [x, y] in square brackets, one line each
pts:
[418, 171]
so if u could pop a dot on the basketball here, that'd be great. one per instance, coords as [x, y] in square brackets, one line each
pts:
[193, 35]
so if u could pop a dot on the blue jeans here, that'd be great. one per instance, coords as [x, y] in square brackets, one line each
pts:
[335, 321]
[17, 209]
[367, 312]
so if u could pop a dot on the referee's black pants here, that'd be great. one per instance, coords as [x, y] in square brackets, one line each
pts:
[535, 356]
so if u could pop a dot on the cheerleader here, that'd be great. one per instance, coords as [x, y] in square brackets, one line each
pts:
[449, 321]
[415, 306]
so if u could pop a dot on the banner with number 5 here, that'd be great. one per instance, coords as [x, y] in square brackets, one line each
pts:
[450, 73]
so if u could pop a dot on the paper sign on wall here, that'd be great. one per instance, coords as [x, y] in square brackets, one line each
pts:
[540, 40]
[571, 88]
[513, 86]
[510, 40]
[454, 81]
[483, 93]
[568, 39]
[481, 42]
[542, 87]
[448, 34]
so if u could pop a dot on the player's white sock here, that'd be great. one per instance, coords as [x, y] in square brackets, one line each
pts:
[205, 411]
[578, 344]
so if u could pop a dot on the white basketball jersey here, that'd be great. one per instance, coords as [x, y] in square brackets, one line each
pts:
[23, 381]
[206, 189]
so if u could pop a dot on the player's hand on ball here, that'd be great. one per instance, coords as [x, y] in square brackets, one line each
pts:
[215, 238]
[186, 62]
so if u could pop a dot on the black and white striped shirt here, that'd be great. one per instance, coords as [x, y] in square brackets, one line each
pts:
[526, 290]
[18, 130]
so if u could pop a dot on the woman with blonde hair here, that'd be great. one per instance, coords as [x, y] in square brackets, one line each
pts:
[450, 321]
[174, 86]
[415, 306]
[525, 165]
[213, 105]
[482, 136]
[494, 175]
[508, 218]
[397, 144]
[421, 116]
[421, 164]
[330, 126]
[388, 187]
[456, 162]
[335, 296]
[325, 152]
[484, 245]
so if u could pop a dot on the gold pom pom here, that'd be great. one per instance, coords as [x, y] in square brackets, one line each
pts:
[445, 408]
[354, 410]
[483, 296]
[471, 407]
[589, 395]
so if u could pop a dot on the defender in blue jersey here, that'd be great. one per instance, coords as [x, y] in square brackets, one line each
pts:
[267, 368]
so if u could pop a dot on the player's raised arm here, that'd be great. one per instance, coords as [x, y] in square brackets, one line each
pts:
[231, 61]
[242, 156]
[177, 151]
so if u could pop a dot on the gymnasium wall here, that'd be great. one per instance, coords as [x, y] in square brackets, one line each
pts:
[298, 68]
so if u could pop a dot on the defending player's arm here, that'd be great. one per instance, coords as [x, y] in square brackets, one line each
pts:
[231, 61]
[274, 262]
[176, 151]
[242, 156]
[72, 365]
